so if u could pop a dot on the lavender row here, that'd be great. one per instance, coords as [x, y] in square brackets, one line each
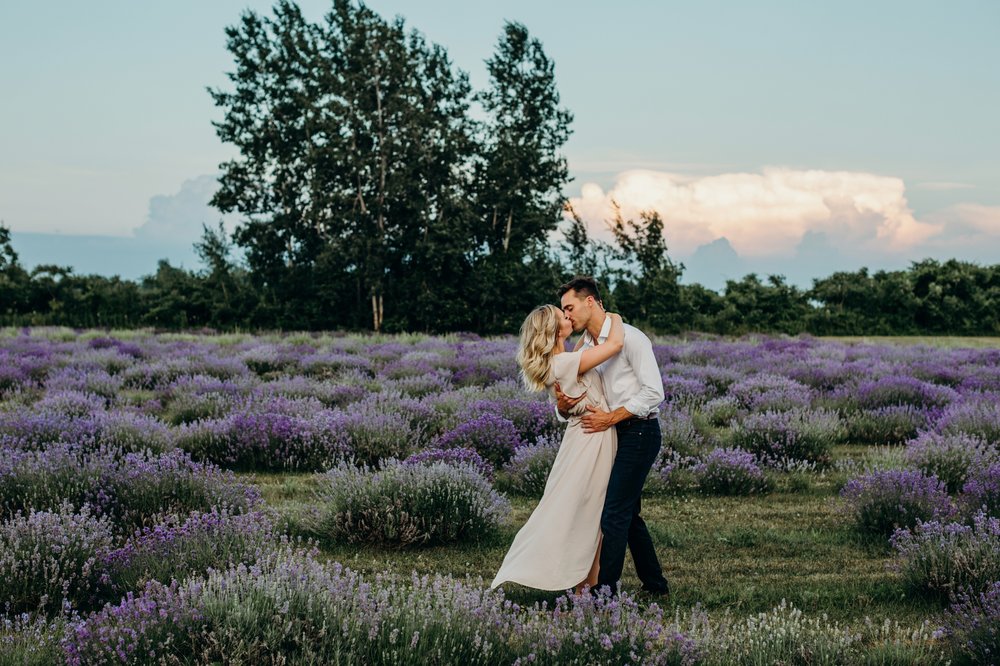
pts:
[329, 614]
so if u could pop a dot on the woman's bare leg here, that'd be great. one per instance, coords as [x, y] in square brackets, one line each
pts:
[591, 579]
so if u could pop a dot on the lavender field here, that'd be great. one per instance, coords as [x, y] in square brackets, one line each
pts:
[317, 498]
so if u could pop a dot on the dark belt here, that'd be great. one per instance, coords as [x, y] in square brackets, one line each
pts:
[640, 418]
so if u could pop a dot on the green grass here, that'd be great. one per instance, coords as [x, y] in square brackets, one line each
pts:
[929, 340]
[744, 554]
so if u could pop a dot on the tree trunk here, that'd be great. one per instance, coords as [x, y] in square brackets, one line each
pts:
[378, 313]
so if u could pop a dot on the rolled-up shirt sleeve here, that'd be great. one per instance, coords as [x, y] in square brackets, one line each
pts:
[639, 352]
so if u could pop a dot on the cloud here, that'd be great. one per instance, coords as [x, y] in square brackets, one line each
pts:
[971, 231]
[765, 214]
[178, 217]
[943, 186]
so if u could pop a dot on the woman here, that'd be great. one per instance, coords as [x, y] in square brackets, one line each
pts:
[559, 546]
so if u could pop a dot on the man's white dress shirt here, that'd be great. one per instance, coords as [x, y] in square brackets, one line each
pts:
[632, 377]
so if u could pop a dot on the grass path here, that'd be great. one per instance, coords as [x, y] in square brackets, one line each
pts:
[744, 554]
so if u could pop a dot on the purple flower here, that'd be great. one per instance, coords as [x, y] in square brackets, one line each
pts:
[882, 501]
[950, 457]
[493, 436]
[457, 457]
[402, 504]
[900, 389]
[977, 414]
[527, 471]
[730, 472]
[982, 490]
[971, 626]
[769, 392]
[797, 434]
[48, 557]
[943, 558]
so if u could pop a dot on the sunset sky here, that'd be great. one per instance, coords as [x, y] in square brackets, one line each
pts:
[798, 137]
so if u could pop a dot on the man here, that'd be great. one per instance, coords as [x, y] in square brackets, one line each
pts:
[634, 391]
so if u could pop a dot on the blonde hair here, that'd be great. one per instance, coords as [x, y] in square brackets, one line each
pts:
[538, 342]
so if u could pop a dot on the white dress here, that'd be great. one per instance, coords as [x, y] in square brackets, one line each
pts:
[555, 549]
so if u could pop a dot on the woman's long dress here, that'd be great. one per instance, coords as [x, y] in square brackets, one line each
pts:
[555, 549]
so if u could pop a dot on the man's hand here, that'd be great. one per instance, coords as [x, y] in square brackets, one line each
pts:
[564, 403]
[599, 421]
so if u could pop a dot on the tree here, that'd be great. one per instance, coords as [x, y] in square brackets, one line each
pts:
[518, 183]
[352, 135]
[13, 278]
[648, 282]
[752, 305]
[223, 288]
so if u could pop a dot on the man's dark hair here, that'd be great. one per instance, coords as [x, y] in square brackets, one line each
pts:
[583, 285]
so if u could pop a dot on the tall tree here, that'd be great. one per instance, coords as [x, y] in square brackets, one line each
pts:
[522, 174]
[269, 117]
[519, 180]
[352, 134]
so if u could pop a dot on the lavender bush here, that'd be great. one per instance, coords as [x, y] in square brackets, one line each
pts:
[718, 411]
[456, 457]
[770, 392]
[730, 472]
[681, 390]
[798, 434]
[950, 457]
[52, 558]
[26, 429]
[943, 558]
[672, 473]
[31, 640]
[889, 425]
[978, 416]
[493, 436]
[679, 431]
[528, 469]
[605, 630]
[332, 364]
[368, 436]
[972, 626]
[180, 546]
[402, 505]
[898, 389]
[784, 635]
[329, 614]
[531, 418]
[883, 501]
[192, 398]
[982, 490]
[266, 440]
[420, 386]
[329, 393]
[132, 488]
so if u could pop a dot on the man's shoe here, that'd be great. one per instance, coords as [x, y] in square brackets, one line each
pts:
[657, 591]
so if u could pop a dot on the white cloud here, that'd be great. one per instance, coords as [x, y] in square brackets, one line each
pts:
[768, 213]
[971, 230]
[179, 217]
[943, 186]
[985, 219]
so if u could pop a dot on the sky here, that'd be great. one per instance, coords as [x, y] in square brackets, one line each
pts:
[790, 137]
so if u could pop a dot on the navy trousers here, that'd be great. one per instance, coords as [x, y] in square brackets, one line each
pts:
[639, 443]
